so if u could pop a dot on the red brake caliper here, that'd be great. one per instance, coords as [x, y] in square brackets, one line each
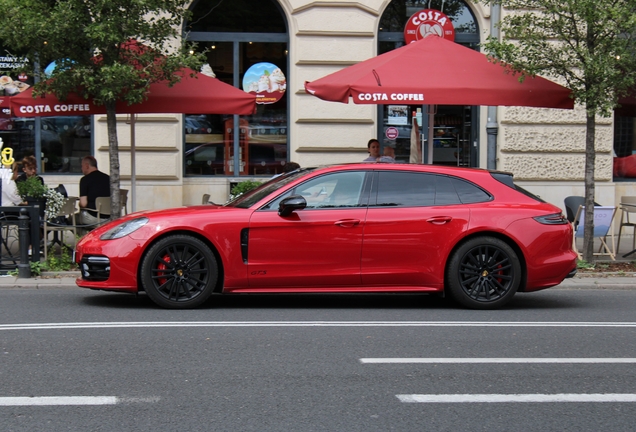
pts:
[162, 266]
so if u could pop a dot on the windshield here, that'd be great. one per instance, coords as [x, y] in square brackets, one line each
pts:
[250, 198]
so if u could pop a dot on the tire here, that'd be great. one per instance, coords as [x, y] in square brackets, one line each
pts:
[484, 273]
[179, 272]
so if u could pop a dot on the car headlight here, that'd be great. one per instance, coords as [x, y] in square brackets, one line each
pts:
[124, 229]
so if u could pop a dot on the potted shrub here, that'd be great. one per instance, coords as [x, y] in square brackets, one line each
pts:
[33, 192]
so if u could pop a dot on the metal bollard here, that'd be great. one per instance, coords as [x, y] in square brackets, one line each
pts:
[24, 268]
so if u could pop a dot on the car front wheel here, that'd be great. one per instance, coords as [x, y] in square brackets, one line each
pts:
[179, 272]
[484, 273]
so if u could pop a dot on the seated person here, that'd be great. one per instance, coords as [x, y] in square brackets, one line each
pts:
[94, 184]
[30, 168]
[10, 195]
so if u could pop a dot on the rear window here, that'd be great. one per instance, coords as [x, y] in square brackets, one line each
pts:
[506, 179]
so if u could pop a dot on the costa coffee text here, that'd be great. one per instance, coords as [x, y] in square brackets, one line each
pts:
[38, 109]
[375, 97]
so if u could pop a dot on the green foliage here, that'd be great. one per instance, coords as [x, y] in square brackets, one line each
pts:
[90, 43]
[243, 187]
[588, 44]
[36, 268]
[31, 187]
[62, 263]
[582, 264]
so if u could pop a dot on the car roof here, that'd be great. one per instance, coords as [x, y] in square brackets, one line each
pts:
[390, 166]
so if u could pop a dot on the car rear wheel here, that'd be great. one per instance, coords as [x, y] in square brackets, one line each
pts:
[484, 273]
[179, 272]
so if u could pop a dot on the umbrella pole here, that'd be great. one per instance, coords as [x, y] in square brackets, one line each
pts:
[431, 133]
[133, 179]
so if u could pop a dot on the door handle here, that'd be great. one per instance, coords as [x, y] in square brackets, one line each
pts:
[347, 223]
[439, 220]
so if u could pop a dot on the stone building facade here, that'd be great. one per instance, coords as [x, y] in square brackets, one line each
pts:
[544, 148]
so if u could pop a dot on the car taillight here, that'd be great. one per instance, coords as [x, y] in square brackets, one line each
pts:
[552, 219]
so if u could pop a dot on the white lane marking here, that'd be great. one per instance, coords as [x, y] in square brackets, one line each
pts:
[71, 400]
[463, 360]
[58, 400]
[92, 325]
[505, 398]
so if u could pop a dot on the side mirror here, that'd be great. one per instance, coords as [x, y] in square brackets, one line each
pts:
[291, 204]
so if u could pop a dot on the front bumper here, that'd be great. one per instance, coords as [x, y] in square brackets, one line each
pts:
[109, 265]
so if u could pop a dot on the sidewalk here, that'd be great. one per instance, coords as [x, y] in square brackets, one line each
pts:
[47, 280]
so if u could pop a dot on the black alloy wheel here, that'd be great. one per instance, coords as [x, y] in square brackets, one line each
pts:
[484, 273]
[179, 272]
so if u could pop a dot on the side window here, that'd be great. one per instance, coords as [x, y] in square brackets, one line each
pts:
[405, 189]
[410, 189]
[337, 190]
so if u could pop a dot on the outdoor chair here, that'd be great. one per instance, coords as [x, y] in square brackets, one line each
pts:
[572, 204]
[64, 221]
[628, 205]
[102, 206]
[603, 221]
[205, 199]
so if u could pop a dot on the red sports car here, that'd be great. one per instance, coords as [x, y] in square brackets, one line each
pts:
[469, 233]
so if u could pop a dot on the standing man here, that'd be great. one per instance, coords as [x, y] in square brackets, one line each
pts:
[94, 184]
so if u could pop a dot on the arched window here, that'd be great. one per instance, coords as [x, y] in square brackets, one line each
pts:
[246, 44]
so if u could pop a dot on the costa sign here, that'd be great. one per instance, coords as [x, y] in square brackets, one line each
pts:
[396, 97]
[428, 22]
[57, 108]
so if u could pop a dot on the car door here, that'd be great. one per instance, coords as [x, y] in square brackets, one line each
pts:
[316, 247]
[414, 219]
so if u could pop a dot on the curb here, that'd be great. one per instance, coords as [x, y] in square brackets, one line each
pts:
[604, 282]
[45, 280]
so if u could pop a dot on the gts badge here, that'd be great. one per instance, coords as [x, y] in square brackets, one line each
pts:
[259, 273]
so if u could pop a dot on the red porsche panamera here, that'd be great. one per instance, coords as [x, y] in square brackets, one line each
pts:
[469, 233]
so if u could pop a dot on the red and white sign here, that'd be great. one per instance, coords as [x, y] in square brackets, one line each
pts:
[428, 22]
[392, 133]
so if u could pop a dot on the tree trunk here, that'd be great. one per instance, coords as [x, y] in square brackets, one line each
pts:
[590, 160]
[113, 152]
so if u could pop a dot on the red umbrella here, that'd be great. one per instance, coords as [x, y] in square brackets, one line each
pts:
[5, 107]
[200, 95]
[435, 71]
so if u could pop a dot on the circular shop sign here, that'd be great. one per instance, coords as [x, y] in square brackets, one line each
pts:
[428, 22]
[266, 81]
[392, 133]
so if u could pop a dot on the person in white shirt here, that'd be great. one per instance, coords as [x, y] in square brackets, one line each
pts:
[10, 195]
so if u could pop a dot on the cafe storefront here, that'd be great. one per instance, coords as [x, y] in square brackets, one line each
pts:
[271, 48]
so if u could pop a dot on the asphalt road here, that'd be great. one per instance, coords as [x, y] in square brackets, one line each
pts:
[79, 360]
